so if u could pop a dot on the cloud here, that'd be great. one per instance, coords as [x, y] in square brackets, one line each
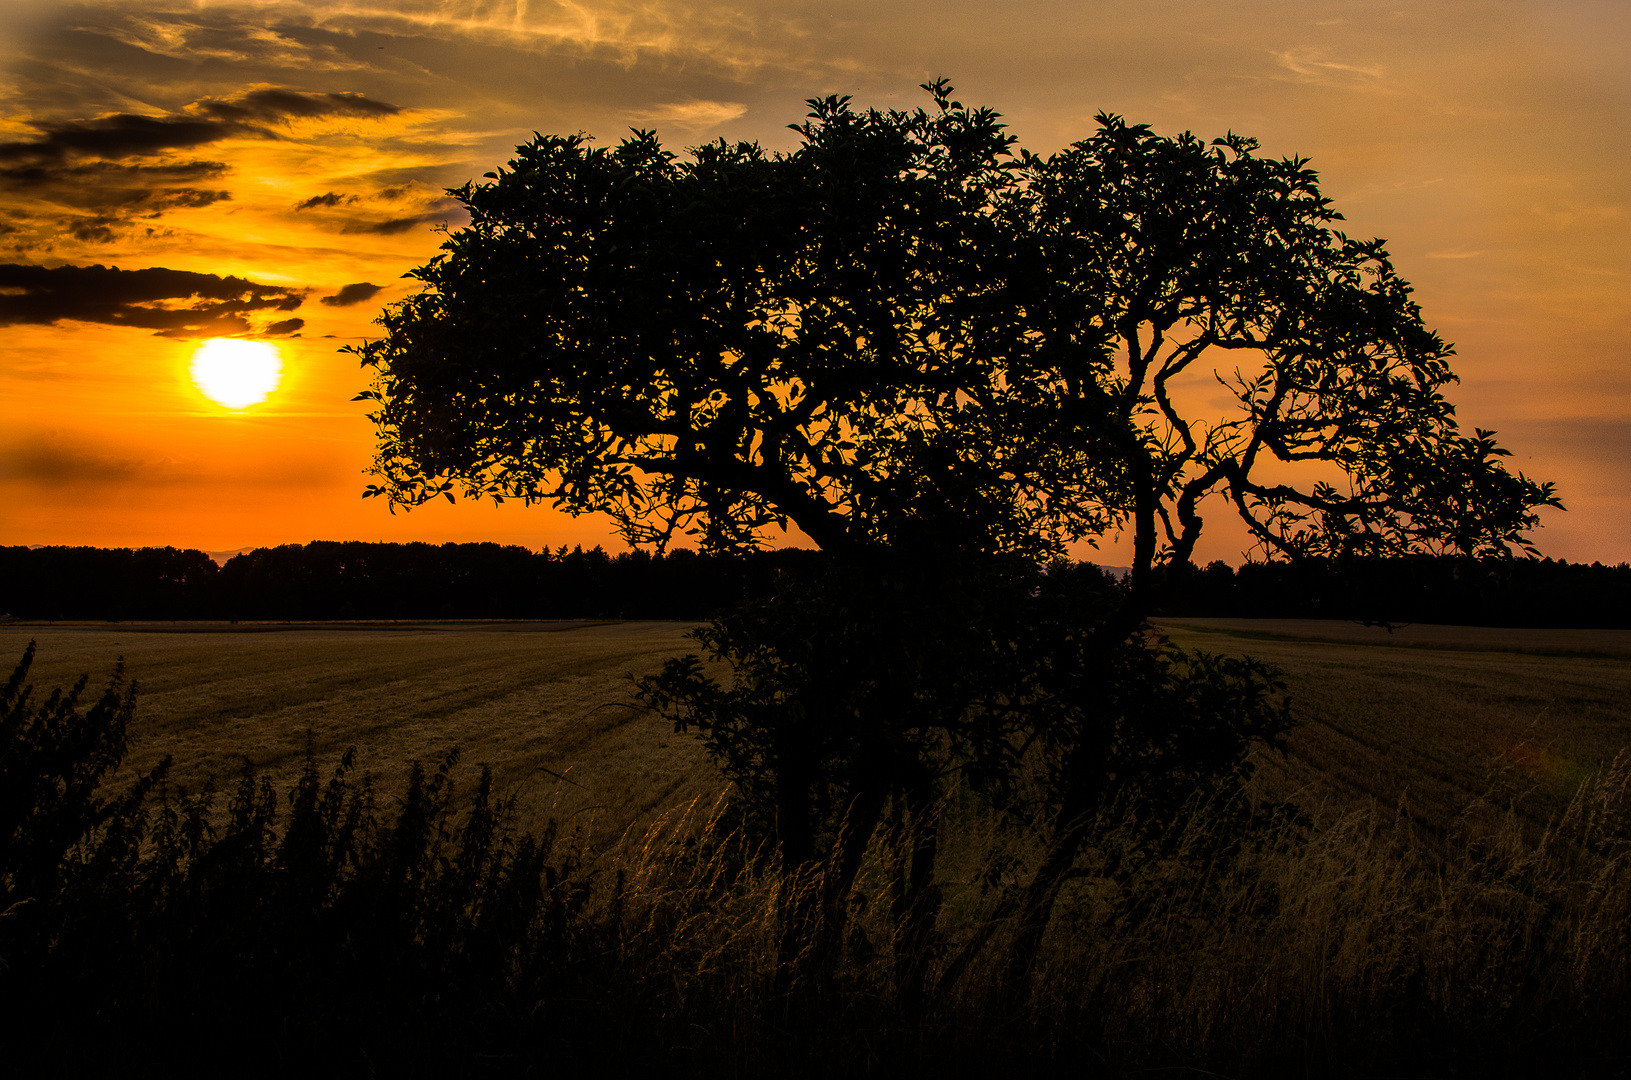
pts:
[392, 226]
[1312, 65]
[119, 136]
[355, 293]
[110, 171]
[271, 105]
[208, 120]
[175, 303]
[329, 199]
[101, 173]
[436, 211]
[693, 116]
[54, 460]
[286, 326]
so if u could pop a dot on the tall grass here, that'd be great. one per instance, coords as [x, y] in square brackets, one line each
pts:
[334, 929]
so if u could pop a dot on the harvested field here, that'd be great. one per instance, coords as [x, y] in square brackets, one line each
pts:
[1448, 720]
[531, 699]
[1441, 718]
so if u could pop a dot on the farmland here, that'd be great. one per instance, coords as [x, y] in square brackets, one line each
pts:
[1444, 719]
[537, 701]
[1441, 718]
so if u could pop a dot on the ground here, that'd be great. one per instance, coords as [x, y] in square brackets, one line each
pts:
[1442, 719]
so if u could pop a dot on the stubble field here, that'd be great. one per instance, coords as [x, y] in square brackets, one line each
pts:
[1449, 722]
[538, 701]
[1446, 721]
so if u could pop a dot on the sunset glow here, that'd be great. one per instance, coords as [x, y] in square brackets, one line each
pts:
[265, 174]
[236, 373]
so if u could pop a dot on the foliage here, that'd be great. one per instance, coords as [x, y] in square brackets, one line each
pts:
[900, 331]
[53, 757]
[1154, 259]
[358, 580]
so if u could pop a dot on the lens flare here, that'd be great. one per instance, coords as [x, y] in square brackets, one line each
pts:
[237, 373]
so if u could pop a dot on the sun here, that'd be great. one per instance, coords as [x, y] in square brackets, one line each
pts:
[237, 373]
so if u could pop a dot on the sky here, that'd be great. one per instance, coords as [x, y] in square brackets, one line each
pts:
[174, 172]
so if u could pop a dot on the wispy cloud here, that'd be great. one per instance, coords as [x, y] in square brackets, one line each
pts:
[1311, 65]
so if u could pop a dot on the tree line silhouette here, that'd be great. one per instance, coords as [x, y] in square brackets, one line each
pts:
[357, 580]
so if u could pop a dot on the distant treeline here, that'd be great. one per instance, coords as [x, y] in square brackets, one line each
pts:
[355, 580]
[1411, 589]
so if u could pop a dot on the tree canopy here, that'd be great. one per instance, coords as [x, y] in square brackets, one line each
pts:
[906, 329]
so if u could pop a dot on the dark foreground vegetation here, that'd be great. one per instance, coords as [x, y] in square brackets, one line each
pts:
[338, 927]
[355, 580]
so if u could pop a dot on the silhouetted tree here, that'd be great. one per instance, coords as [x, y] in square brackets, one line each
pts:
[899, 330]
[1152, 260]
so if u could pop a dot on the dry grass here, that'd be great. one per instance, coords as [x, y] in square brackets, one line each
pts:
[531, 699]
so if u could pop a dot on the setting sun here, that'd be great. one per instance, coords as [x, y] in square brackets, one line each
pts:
[237, 373]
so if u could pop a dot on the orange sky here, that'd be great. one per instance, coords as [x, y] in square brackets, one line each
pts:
[304, 147]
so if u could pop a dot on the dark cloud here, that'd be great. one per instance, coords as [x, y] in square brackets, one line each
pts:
[274, 105]
[356, 293]
[102, 173]
[125, 135]
[392, 226]
[327, 200]
[286, 326]
[51, 462]
[92, 230]
[104, 198]
[120, 136]
[436, 212]
[62, 459]
[150, 202]
[174, 303]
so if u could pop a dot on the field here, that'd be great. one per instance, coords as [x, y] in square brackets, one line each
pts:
[537, 701]
[1442, 719]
